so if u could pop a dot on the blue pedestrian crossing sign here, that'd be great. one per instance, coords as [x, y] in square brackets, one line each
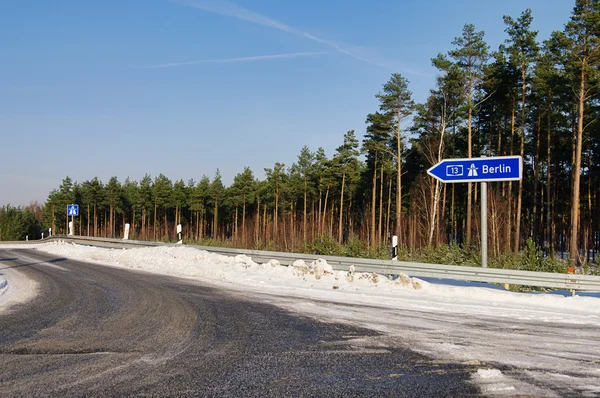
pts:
[72, 210]
[498, 168]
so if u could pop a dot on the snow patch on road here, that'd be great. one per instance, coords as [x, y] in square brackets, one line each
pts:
[15, 288]
[3, 285]
[489, 373]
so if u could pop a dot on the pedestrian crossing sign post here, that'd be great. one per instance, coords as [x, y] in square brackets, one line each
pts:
[72, 210]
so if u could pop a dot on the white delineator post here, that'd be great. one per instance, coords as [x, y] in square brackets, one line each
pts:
[49, 231]
[180, 240]
[395, 248]
[126, 233]
[42, 236]
[71, 226]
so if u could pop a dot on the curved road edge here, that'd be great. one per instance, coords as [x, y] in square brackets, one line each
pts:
[15, 287]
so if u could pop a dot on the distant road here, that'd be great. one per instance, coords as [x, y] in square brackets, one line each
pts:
[102, 331]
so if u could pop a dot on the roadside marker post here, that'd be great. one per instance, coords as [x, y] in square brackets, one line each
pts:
[482, 170]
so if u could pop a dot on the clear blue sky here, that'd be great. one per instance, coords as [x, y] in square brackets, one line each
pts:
[128, 87]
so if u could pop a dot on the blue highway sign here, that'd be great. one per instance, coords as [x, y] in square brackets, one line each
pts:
[499, 168]
[72, 210]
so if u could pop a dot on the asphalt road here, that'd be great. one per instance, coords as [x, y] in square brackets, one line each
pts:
[102, 331]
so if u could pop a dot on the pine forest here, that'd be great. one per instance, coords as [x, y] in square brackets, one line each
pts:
[539, 100]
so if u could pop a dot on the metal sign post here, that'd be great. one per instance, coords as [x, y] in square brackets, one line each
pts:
[72, 210]
[484, 225]
[482, 170]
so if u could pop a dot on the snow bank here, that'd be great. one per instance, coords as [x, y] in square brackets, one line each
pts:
[3, 285]
[189, 262]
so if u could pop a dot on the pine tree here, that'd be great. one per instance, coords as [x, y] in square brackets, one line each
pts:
[470, 56]
[276, 179]
[523, 50]
[377, 152]
[303, 168]
[162, 190]
[243, 192]
[346, 163]
[396, 99]
[113, 196]
[581, 44]
[216, 191]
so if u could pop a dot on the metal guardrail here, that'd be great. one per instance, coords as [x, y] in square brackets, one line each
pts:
[386, 267]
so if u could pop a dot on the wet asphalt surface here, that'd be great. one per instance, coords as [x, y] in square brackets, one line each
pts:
[101, 331]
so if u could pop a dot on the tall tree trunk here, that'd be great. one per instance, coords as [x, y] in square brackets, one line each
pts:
[434, 210]
[319, 217]
[235, 227]
[244, 223]
[304, 212]
[88, 219]
[265, 225]
[373, 203]
[536, 166]
[325, 209]
[380, 238]
[340, 232]
[469, 185]
[144, 224]
[95, 220]
[276, 217]
[154, 228]
[508, 242]
[132, 221]
[548, 243]
[110, 220]
[399, 183]
[438, 187]
[257, 220]
[331, 219]
[389, 208]
[520, 196]
[216, 220]
[573, 241]
[313, 221]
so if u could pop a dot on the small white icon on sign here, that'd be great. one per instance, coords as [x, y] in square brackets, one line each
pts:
[72, 210]
[472, 170]
[454, 170]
